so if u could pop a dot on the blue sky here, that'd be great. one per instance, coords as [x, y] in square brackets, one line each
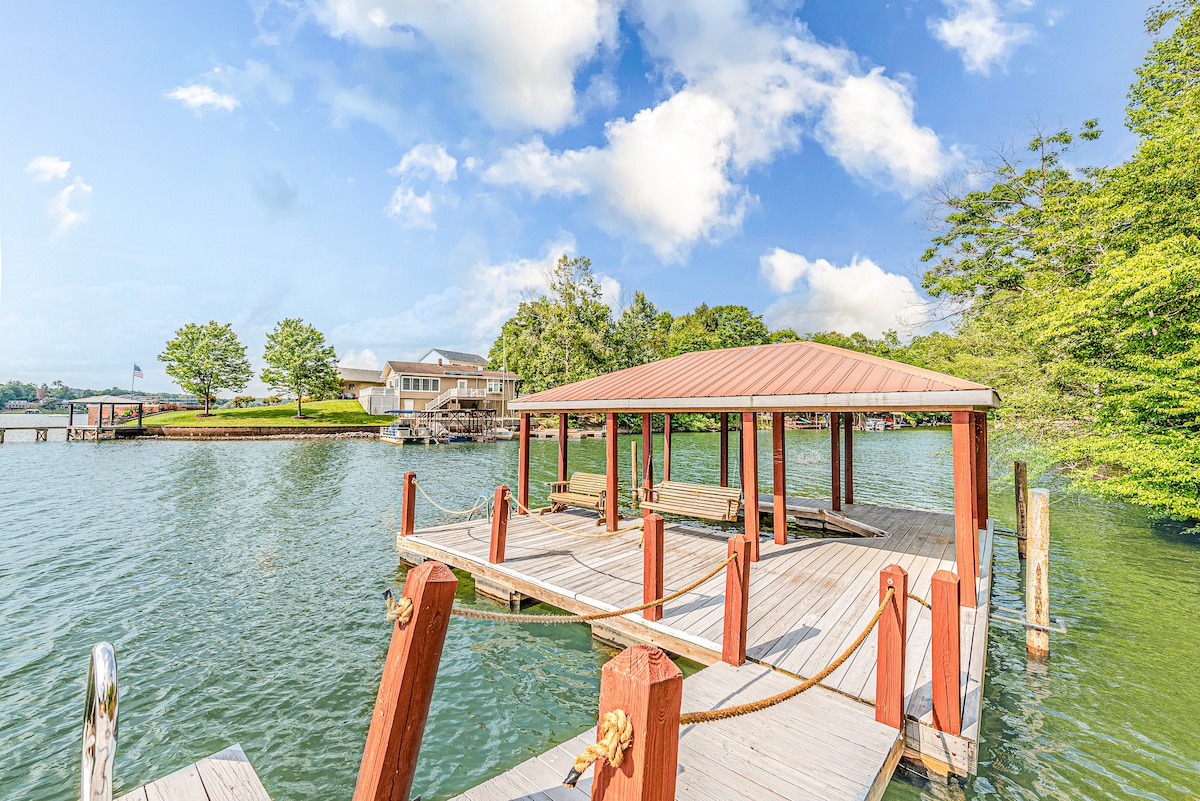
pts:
[401, 173]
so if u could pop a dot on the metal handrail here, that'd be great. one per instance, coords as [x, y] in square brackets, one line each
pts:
[99, 725]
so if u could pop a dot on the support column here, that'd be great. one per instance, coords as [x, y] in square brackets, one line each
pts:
[892, 629]
[981, 476]
[737, 601]
[666, 447]
[835, 459]
[724, 477]
[612, 498]
[647, 458]
[779, 475]
[848, 482]
[749, 462]
[966, 536]
[523, 466]
[562, 446]
[652, 565]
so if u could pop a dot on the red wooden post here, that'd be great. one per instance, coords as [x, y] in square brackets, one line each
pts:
[835, 459]
[947, 698]
[408, 500]
[523, 466]
[562, 446]
[652, 565]
[402, 706]
[612, 499]
[750, 479]
[779, 483]
[737, 601]
[893, 625]
[666, 447]
[648, 686]
[966, 536]
[647, 457]
[848, 458]
[724, 477]
[981, 476]
[499, 526]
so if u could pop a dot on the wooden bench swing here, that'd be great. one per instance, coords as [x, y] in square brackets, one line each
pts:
[584, 490]
[695, 500]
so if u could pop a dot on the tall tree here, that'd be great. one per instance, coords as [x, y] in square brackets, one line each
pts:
[205, 359]
[640, 335]
[299, 360]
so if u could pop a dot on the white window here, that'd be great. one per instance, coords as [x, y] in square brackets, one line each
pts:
[437, 385]
[407, 383]
[495, 387]
[462, 383]
[424, 384]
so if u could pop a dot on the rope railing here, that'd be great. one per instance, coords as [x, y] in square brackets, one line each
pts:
[920, 600]
[482, 503]
[589, 535]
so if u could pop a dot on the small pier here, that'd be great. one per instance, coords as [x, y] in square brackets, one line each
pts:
[225, 776]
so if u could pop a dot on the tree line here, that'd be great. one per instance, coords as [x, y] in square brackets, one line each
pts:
[207, 358]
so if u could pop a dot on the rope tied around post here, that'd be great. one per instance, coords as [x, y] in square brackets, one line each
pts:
[616, 735]
[443, 509]
[401, 610]
[710, 715]
[920, 600]
[601, 535]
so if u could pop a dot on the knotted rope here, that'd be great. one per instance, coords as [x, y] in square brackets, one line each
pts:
[479, 614]
[616, 735]
[765, 703]
[398, 610]
[437, 505]
[547, 523]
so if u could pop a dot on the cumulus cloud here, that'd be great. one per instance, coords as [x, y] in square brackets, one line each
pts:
[199, 97]
[410, 209]
[518, 58]
[976, 29]
[427, 161]
[364, 359]
[860, 296]
[65, 207]
[740, 92]
[48, 168]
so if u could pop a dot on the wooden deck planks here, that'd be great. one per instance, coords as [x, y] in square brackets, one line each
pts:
[225, 776]
[822, 746]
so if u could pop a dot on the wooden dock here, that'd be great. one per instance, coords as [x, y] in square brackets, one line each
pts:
[808, 600]
[820, 745]
[224, 776]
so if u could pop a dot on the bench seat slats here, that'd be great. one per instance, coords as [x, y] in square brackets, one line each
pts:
[695, 500]
[585, 490]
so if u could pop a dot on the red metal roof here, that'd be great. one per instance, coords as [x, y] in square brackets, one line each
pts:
[785, 376]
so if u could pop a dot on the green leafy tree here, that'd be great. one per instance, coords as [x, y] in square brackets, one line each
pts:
[298, 360]
[204, 359]
[717, 327]
[640, 335]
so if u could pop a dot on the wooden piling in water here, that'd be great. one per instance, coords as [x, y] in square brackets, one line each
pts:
[946, 650]
[1021, 490]
[402, 705]
[499, 525]
[1037, 575]
[652, 565]
[643, 682]
[408, 500]
[892, 629]
[737, 601]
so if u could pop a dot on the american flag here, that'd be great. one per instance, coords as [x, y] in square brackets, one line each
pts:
[137, 372]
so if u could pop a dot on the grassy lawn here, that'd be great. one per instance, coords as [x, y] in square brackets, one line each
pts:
[317, 413]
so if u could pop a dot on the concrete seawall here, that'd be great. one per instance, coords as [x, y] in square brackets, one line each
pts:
[256, 432]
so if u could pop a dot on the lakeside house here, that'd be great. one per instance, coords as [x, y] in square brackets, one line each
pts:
[441, 380]
[17, 404]
[354, 380]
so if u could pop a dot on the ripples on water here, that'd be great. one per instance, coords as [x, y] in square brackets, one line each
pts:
[241, 584]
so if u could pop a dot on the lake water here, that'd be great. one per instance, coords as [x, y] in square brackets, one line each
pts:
[241, 585]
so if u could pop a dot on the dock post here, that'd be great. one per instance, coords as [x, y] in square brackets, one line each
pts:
[1037, 575]
[750, 479]
[643, 682]
[666, 470]
[779, 478]
[966, 536]
[408, 501]
[848, 458]
[652, 565]
[402, 706]
[893, 626]
[612, 498]
[1021, 490]
[562, 446]
[981, 471]
[499, 525]
[737, 601]
[523, 466]
[724, 476]
[835, 460]
[1, 436]
[647, 482]
[947, 694]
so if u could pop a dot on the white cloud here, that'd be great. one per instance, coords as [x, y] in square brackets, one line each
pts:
[412, 210]
[860, 296]
[427, 161]
[518, 57]
[48, 168]
[254, 76]
[364, 359]
[741, 91]
[64, 206]
[976, 30]
[198, 97]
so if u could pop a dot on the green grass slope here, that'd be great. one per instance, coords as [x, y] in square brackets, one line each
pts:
[316, 413]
